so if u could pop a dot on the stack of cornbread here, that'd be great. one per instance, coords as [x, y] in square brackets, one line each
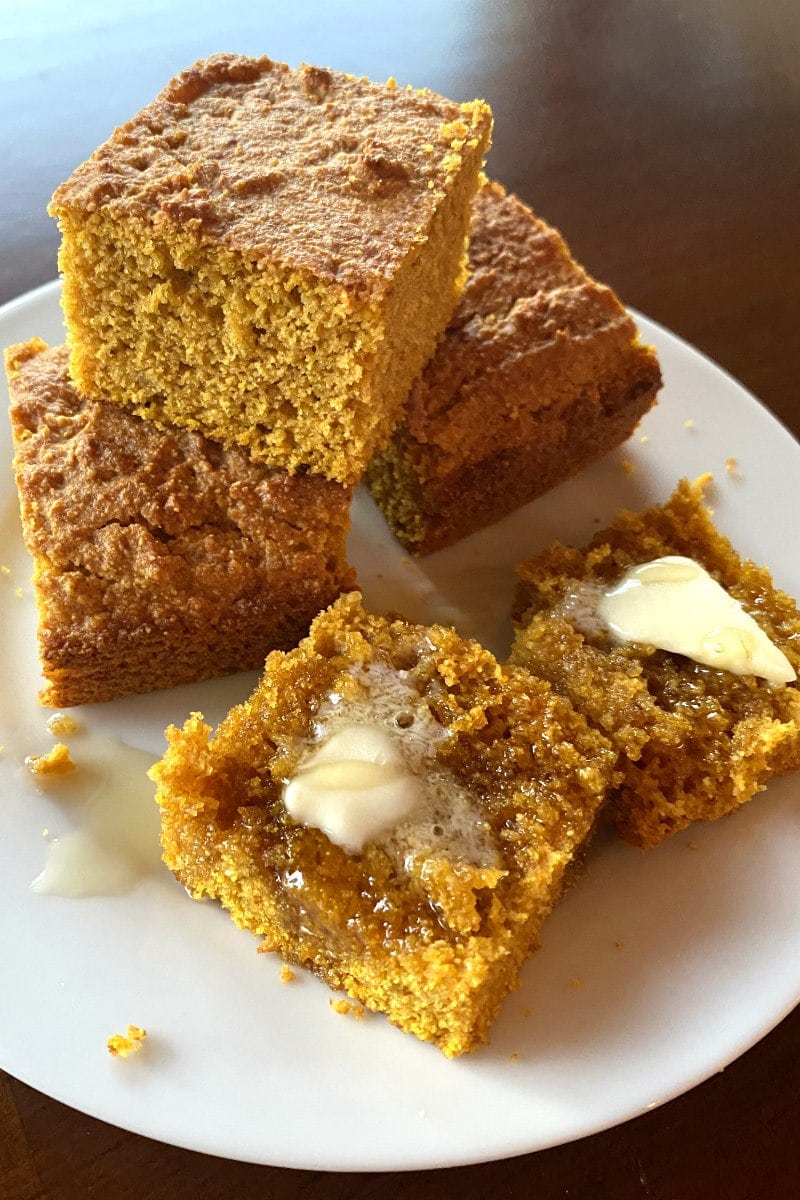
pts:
[278, 283]
[264, 265]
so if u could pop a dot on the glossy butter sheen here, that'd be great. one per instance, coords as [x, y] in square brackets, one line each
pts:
[674, 604]
[354, 787]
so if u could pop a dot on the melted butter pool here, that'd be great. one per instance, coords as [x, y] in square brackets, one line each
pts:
[114, 841]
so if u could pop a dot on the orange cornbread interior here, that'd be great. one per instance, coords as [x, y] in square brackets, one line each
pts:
[435, 942]
[695, 743]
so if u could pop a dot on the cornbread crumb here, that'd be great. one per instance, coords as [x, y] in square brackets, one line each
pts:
[56, 762]
[287, 975]
[347, 1008]
[619, 945]
[526, 1013]
[62, 725]
[18, 593]
[577, 984]
[5, 570]
[121, 1045]
[513, 1057]
[692, 846]
[689, 423]
[644, 439]
[628, 467]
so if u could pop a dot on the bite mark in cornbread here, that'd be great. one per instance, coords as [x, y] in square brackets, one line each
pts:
[695, 743]
[430, 921]
[160, 557]
[540, 373]
[269, 255]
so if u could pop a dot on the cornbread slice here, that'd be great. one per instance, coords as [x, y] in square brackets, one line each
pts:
[540, 373]
[429, 920]
[160, 557]
[694, 742]
[269, 255]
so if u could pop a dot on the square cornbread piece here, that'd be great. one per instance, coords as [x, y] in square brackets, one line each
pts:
[540, 373]
[160, 557]
[269, 255]
[695, 742]
[429, 918]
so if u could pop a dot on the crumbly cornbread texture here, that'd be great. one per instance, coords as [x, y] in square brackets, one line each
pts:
[159, 556]
[269, 255]
[695, 743]
[540, 373]
[431, 938]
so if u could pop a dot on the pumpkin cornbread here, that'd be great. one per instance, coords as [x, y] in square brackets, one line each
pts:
[540, 373]
[429, 916]
[159, 556]
[695, 742]
[269, 255]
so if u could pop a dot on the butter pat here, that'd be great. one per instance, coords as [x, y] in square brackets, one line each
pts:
[354, 787]
[674, 604]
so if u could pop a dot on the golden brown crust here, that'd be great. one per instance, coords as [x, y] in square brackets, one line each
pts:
[540, 372]
[436, 943]
[160, 556]
[310, 168]
[694, 743]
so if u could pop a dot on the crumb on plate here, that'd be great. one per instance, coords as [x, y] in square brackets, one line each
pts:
[62, 724]
[120, 1045]
[346, 1007]
[56, 762]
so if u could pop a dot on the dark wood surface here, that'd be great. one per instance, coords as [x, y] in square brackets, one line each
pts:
[664, 140]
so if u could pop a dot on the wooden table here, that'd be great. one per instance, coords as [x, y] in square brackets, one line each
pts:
[664, 140]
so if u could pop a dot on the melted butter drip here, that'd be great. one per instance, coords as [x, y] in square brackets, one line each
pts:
[115, 842]
[674, 604]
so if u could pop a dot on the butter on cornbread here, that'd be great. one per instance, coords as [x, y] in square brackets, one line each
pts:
[540, 373]
[695, 742]
[160, 557]
[269, 255]
[427, 911]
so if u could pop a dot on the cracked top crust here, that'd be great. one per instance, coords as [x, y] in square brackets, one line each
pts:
[525, 292]
[311, 168]
[108, 495]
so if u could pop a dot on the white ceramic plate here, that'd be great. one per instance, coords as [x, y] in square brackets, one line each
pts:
[657, 970]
